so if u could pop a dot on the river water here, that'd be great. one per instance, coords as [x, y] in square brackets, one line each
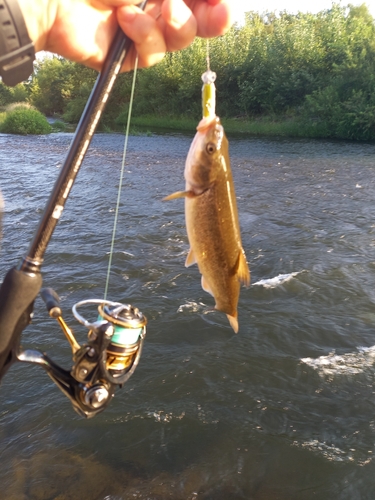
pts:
[283, 410]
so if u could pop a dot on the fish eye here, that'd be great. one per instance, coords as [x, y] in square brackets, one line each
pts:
[210, 148]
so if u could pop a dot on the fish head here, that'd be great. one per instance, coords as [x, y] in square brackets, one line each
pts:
[204, 161]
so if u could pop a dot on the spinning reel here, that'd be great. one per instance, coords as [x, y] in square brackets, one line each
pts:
[105, 362]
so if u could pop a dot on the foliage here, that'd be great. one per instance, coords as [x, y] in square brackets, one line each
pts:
[5, 94]
[9, 95]
[318, 68]
[18, 105]
[25, 121]
[168, 123]
[57, 82]
[58, 126]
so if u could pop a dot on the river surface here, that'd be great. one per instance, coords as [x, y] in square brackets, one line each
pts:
[284, 410]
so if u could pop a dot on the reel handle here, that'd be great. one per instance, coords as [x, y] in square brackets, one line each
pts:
[52, 301]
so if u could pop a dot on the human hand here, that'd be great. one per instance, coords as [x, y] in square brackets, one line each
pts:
[82, 30]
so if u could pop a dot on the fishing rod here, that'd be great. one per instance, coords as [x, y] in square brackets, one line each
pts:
[115, 338]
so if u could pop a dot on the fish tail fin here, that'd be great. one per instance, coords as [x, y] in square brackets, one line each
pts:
[233, 320]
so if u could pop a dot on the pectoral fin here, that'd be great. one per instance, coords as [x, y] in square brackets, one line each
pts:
[241, 269]
[190, 259]
[206, 287]
[233, 322]
[180, 194]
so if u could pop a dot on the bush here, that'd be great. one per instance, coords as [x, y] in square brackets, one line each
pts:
[352, 117]
[25, 121]
[12, 94]
[58, 126]
[18, 105]
[74, 109]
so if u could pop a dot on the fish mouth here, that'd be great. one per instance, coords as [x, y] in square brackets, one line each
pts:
[207, 122]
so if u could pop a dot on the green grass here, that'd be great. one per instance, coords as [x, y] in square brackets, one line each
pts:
[264, 126]
[139, 131]
[59, 126]
[165, 123]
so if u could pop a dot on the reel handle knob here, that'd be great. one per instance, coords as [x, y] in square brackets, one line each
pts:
[52, 301]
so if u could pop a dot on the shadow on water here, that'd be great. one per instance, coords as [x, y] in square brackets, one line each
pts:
[283, 410]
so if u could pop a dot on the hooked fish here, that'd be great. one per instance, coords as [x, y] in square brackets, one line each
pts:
[212, 219]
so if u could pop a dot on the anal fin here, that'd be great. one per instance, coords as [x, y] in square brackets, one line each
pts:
[206, 287]
[190, 259]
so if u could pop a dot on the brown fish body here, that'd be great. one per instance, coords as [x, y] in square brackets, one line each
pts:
[212, 219]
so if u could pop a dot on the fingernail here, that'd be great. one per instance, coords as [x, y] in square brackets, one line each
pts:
[180, 14]
[128, 14]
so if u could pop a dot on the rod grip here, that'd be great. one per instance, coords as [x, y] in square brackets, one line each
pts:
[17, 294]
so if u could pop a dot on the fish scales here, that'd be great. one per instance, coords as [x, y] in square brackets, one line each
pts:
[212, 228]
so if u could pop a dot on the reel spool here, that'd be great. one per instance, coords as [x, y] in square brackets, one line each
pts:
[129, 329]
[125, 332]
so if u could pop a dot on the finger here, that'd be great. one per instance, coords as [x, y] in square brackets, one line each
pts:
[180, 26]
[146, 34]
[120, 3]
[87, 46]
[213, 17]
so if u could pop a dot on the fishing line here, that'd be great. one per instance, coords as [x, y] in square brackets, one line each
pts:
[208, 54]
[123, 163]
[121, 176]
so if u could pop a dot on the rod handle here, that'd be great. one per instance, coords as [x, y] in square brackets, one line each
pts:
[17, 294]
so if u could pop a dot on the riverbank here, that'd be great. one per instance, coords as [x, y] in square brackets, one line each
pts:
[268, 126]
[289, 126]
